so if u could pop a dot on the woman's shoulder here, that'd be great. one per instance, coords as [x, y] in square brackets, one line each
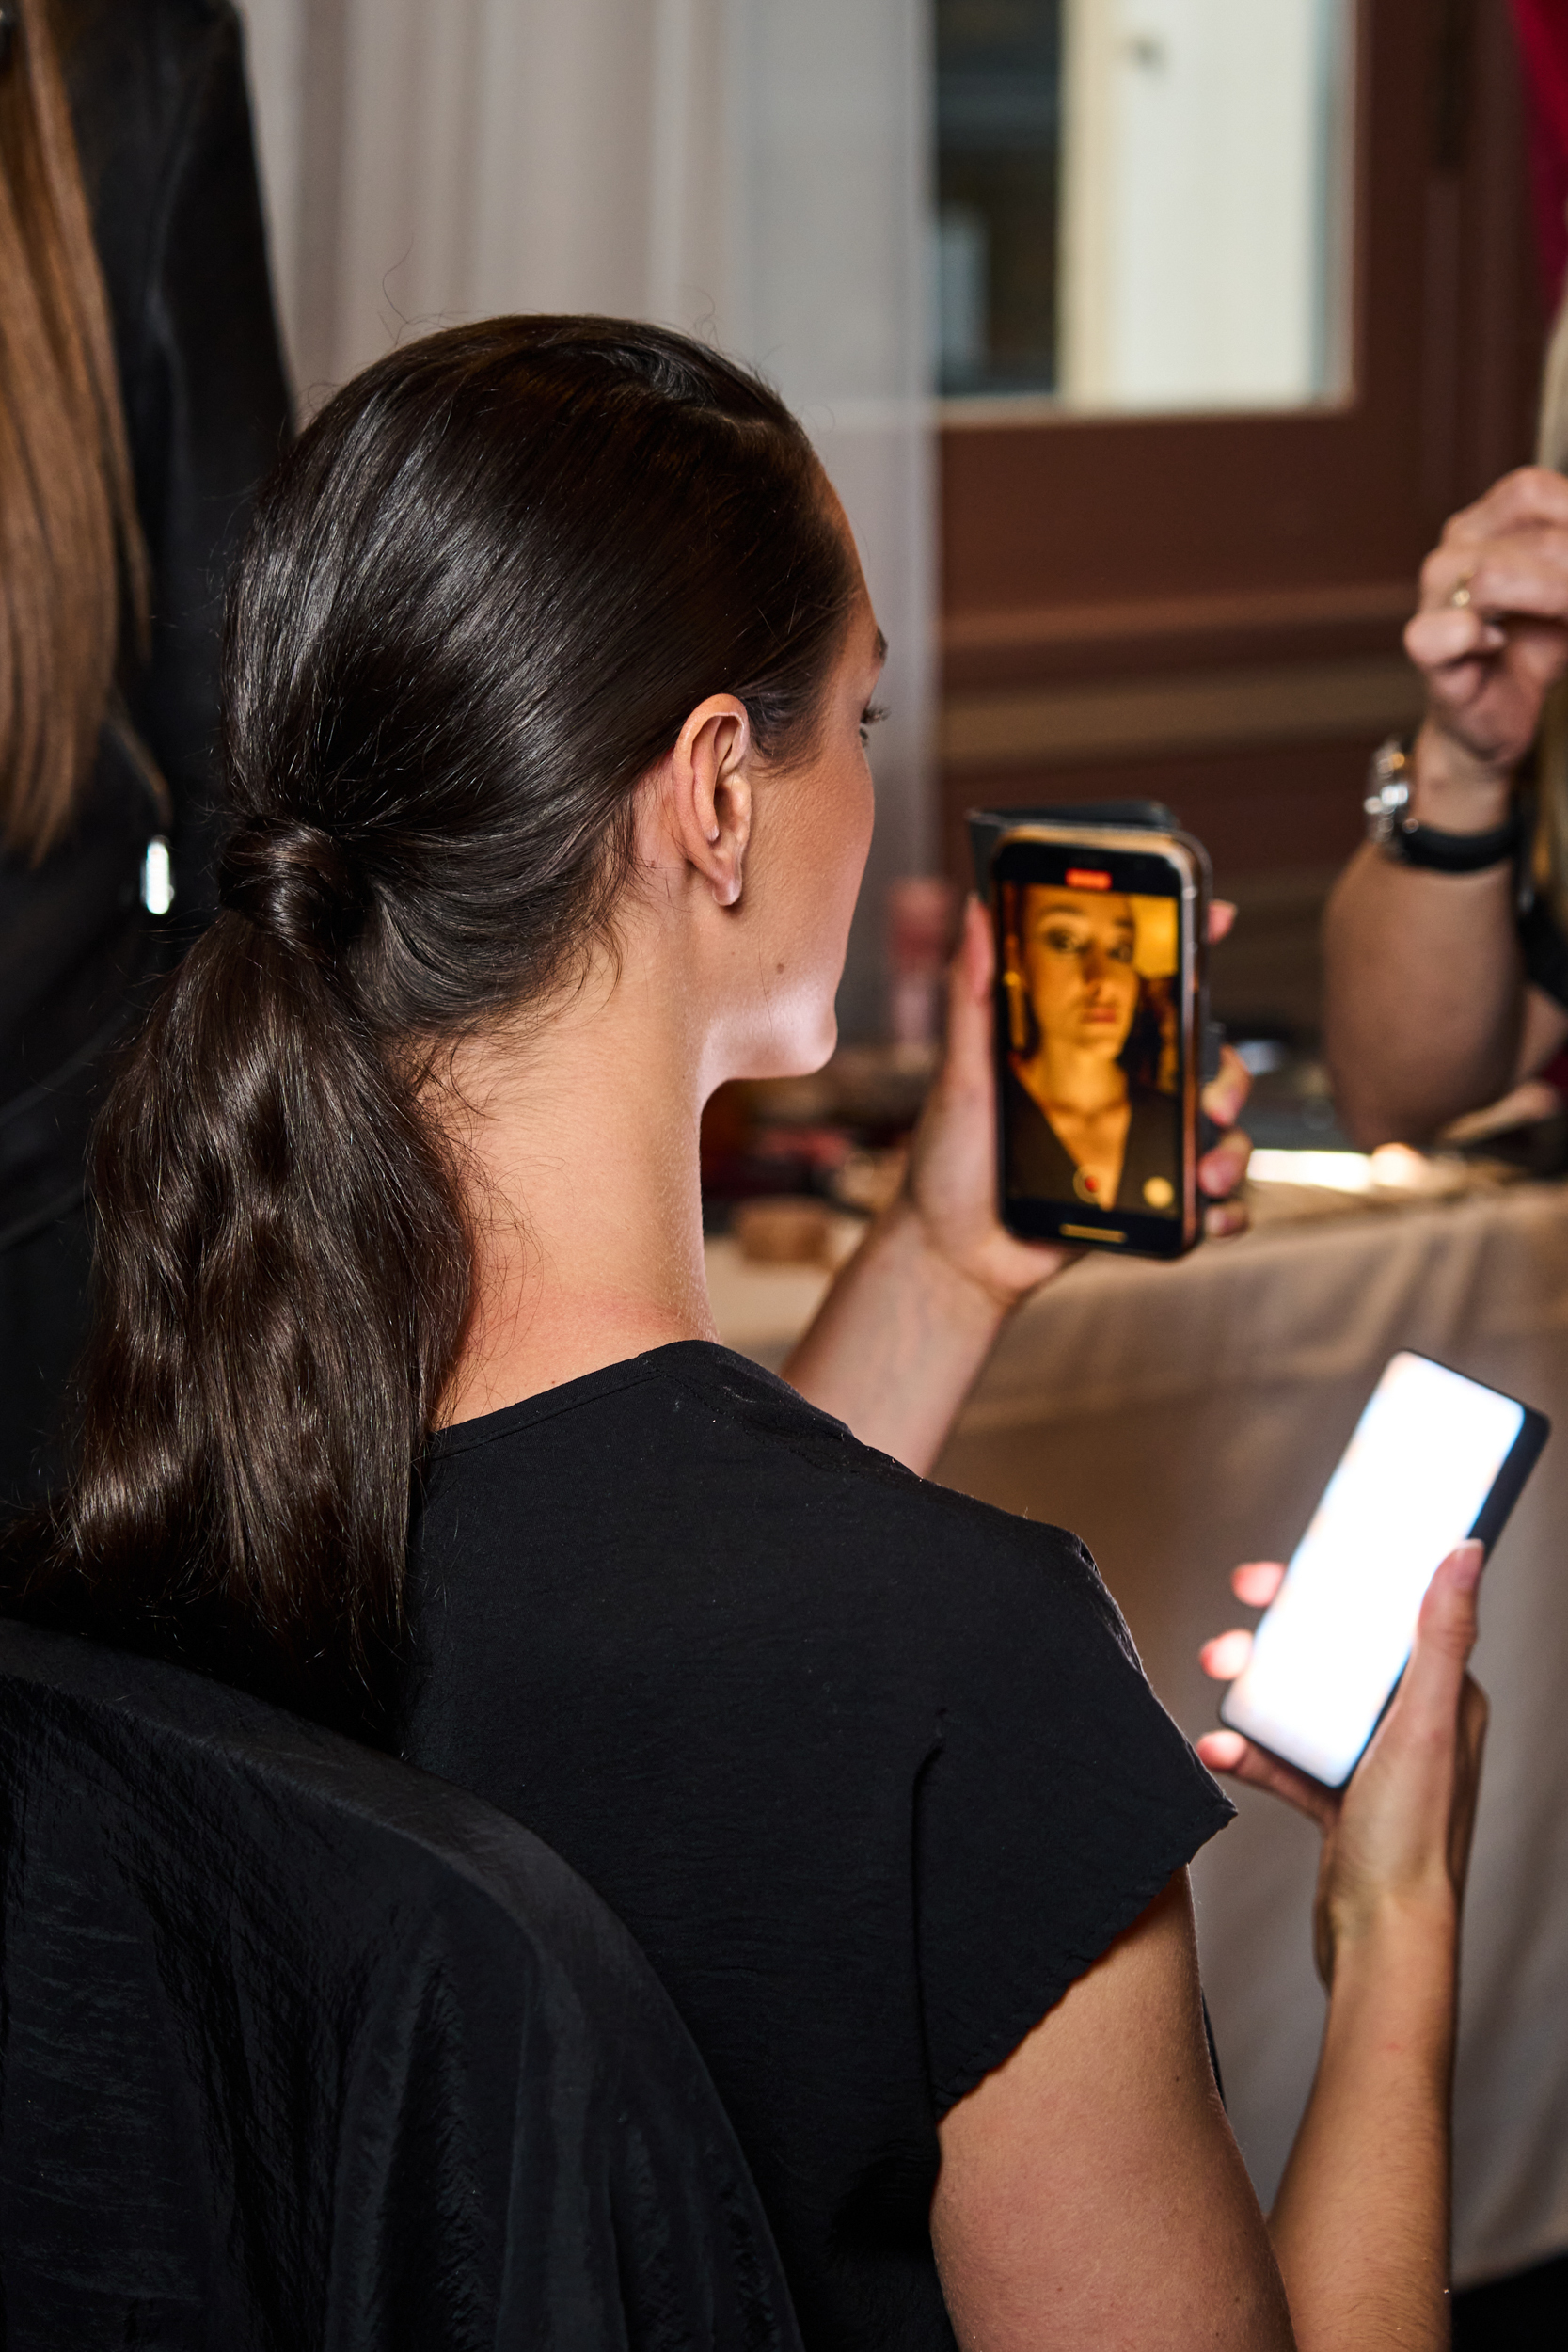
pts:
[697, 1438]
[1037, 1159]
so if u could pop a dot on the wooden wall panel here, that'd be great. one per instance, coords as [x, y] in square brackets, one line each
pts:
[1208, 610]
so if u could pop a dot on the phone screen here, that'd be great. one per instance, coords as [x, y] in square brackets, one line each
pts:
[1412, 1482]
[1093, 1036]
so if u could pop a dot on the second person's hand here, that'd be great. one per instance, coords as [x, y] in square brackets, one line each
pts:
[1491, 639]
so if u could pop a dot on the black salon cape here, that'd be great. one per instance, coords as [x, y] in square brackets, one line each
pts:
[304, 2051]
[870, 1771]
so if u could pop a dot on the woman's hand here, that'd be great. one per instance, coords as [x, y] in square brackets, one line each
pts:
[1490, 659]
[900, 1340]
[1361, 2225]
[1397, 1839]
[951, 1184]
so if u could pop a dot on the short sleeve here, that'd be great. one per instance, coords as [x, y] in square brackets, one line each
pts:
[1060, 1800]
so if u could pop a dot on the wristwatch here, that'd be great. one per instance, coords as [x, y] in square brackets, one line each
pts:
[1392, 830]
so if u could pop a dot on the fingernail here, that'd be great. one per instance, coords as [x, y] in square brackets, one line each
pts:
[1469, 1558]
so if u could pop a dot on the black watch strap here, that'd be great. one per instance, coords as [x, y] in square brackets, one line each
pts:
[1453, 852]
[1398, 837]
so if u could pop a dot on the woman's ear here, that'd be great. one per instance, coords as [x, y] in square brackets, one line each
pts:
[707, 794]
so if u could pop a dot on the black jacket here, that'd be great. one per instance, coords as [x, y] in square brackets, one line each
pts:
[158, 98]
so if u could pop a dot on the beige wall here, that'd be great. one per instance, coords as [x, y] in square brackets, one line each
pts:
[748, 171]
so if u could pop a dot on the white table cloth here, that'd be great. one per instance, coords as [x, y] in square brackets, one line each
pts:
[1182, 1419]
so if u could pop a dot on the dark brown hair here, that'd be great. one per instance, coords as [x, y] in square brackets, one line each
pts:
[477, 604]
[72, 561]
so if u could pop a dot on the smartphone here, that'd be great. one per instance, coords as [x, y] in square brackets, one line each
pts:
[1100, 992]
[1434, 1457]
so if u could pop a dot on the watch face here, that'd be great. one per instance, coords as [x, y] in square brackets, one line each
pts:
[1388, 796]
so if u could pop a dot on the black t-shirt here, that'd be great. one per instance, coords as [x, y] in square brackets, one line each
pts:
[869, 1770]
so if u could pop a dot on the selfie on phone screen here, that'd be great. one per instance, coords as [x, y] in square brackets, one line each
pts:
[1094, 1106]
[1098, 991]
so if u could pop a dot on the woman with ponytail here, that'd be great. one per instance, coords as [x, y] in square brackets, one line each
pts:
[141, 397]
[547, 667]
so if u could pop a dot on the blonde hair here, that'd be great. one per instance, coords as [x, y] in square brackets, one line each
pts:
[73, 565]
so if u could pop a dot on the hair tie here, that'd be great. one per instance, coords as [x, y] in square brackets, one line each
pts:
[294, 881]
[10, 24]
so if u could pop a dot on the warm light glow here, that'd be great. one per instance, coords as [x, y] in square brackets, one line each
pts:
[1334, 1171]
[1400, 1168]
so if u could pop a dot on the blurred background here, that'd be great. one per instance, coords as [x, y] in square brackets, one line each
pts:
[1147, 342]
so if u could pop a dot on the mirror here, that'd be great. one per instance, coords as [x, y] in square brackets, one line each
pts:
[1142, 205]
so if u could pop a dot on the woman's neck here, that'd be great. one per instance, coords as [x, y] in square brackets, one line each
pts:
[1061, 1077]
[581, 1138]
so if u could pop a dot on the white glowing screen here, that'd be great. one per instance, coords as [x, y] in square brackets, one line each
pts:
[1410, 1485]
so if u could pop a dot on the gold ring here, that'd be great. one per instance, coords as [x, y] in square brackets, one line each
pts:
[1460, 593]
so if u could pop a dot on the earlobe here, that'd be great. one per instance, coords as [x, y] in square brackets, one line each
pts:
[711, 794]
[726, 841]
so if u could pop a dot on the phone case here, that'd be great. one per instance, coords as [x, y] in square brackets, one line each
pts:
[987, 827]
[1143, 834]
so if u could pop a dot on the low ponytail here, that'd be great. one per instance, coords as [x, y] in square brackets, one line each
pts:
[479, 599]
[283, 1257]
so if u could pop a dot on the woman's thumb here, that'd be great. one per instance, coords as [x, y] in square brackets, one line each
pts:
[1446, 1628]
